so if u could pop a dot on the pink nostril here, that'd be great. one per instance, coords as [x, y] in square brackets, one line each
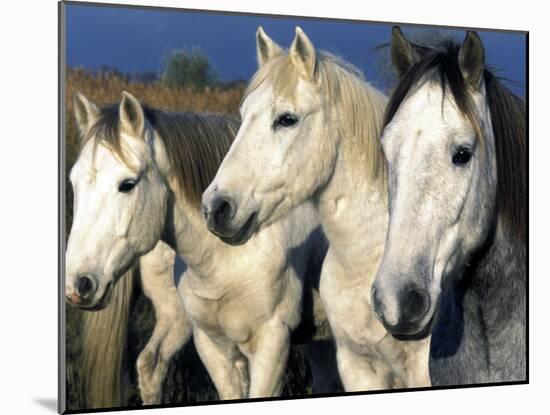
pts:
[74, 299]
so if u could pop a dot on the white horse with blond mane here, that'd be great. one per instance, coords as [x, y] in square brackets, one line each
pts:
[309, 134]
[138, 180]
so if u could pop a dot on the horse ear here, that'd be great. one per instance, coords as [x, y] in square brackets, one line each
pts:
[302, 53]
[471, 60]
[266, 48]
[403, 54]
[132, 118]
[85, 111]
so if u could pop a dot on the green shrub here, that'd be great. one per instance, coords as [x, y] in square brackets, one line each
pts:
[188, 68]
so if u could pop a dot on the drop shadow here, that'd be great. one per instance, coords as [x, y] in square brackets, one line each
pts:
[48, 403]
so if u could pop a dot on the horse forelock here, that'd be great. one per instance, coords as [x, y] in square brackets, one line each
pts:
[440, 65]
[341, 85]
[195, 143]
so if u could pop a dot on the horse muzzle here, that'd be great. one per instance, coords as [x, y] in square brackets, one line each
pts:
[406, 315]
[85, 294]
[220, 212]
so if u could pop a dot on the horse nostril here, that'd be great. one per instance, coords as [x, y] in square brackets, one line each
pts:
[415, 303]
[223, 210]
[85, 287]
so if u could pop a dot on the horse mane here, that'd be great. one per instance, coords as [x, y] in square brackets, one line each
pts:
[104, 341]
[195, 143]
[508, 118]
[361, 107]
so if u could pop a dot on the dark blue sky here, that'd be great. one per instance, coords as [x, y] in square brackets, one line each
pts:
[135, 40]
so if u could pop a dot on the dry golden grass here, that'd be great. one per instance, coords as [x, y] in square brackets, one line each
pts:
[105, 88]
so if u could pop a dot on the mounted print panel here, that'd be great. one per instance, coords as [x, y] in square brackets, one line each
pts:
[278, 207]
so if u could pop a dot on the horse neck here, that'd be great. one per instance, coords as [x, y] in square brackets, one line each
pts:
[185, 230]
[499, 265]
[187, 234]
[353, 212]
[497, 275]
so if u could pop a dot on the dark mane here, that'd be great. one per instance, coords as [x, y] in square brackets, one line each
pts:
[195, 143]
[508, 118]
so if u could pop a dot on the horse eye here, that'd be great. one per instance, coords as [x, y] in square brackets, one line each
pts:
[462, 156]
[285, 120]
[127, 186]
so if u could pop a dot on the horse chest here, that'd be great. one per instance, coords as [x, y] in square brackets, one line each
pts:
[232, 317]
[348, 307]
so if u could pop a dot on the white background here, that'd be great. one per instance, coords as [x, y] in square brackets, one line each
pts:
[28, 203]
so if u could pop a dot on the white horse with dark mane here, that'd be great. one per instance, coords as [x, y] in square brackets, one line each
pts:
[455, 259]
[309, 134]
[138, 180]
